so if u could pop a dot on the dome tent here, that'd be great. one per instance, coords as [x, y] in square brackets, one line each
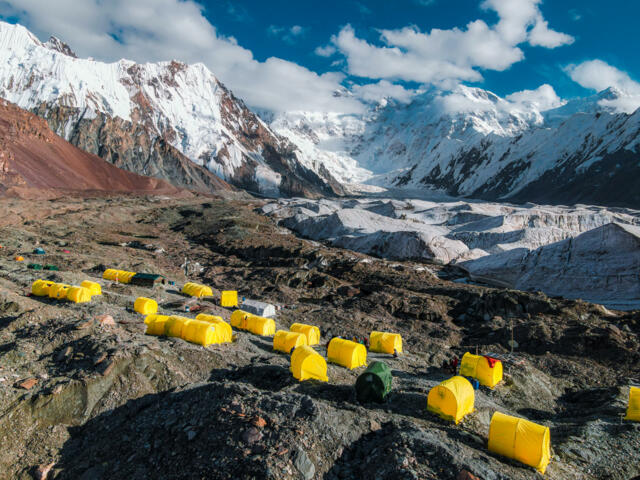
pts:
[79, 295]
[197, 290]
[145, 306]
[40, 288]
[347, 353]
[121, 276]
[307, 364]
[93, 287]
[385, 342]
[520, 439]
[312, 333]
[375, 383]
[284, 341]
[452, 399]
[219, 323]
[487, 371]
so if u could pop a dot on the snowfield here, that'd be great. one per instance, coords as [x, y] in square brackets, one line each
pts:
[586, 252]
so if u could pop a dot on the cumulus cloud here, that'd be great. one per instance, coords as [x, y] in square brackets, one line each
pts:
[375, 92]
[138, 30]
[543, 98]
[449, 56]
[598, 75]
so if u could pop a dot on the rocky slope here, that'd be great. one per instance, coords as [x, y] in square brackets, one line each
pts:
[152, 118]
[470, 142]
[581, 252]
[104, 400]
[34, 160]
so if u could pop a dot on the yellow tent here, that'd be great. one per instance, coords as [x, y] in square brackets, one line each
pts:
[203, 333]
[93, 287]
[384, 342]
[153, 317]
[308, 364]
[521, 440]
[312, 333]
[175, 325]
[59, 291]
[633, 410]
[452, 399]
[40, 288]
[156, 324]
[197, 290]
[19, 258]
[261, 326]
[238, 319]
[79, 295]
[121, 276]
[145, 306]
[347, 353]
[479, 367]
[284, 341]
[252, 323]
[229, 298]
[223, 327]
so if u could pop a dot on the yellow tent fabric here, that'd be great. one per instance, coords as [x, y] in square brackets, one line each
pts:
[223, 327]
[238, 319]
[261, 326]
[203, 333]
[229, 298]
[156, 324]
[145, 306]
[385, 342]
[307, 364]
[347, 353]
[452, 399]
[40, 288]
[153, 317]
[79, 295]
[121, 276]
[252, 323]
[175, 325]
[59, 291]
[633, 410]
[312, 333]
[284, 341]
[520, 439]
[19, 259]
[477, 366]
[93, 287]
[197, 290]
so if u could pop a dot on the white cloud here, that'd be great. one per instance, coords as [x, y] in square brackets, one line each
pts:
[598, 75]
[444, 57]
[156, 30]
[325, 51]
[375, 92]
[543, 98]
[289, 35]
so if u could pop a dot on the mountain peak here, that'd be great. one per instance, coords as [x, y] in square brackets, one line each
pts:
[58, 45]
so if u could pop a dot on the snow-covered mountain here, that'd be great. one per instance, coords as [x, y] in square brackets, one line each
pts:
[470, 142]
[145, 117]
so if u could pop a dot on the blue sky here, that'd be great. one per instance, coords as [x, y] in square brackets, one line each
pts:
[291, 55]
[601, 30]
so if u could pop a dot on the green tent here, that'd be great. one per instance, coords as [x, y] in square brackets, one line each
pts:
[375, 383]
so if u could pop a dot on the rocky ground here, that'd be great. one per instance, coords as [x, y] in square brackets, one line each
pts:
[85, 397]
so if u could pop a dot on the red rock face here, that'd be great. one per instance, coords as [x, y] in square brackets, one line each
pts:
[33, 157]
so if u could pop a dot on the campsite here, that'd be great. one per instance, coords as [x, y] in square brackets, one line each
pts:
[108, 397]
